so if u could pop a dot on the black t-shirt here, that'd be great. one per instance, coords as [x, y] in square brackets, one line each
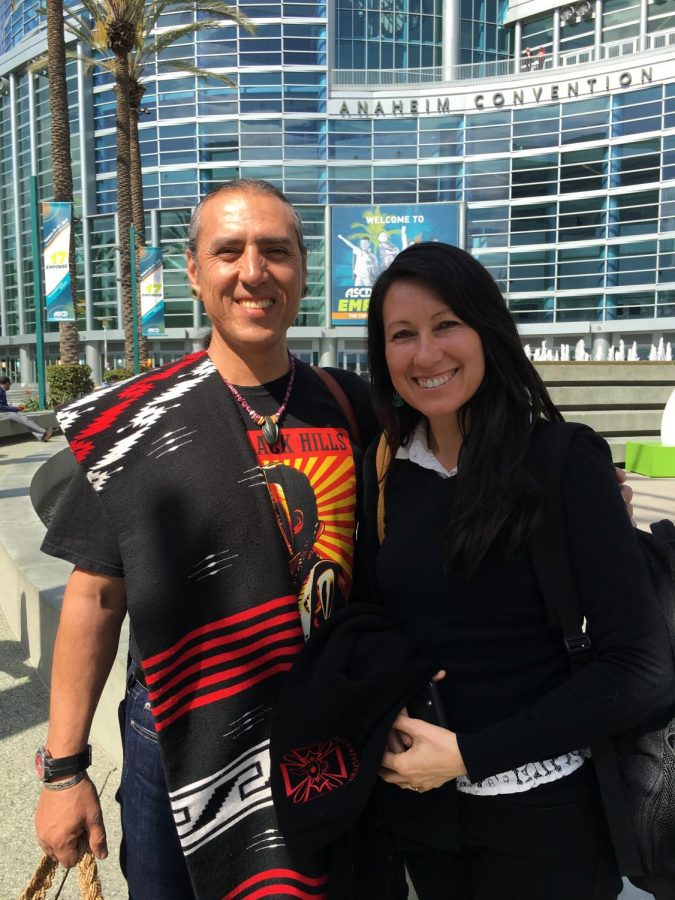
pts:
[313, 478]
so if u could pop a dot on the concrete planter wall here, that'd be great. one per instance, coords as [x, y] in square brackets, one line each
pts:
[33, 583]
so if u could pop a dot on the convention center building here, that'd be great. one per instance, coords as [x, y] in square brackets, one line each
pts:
[540, 137]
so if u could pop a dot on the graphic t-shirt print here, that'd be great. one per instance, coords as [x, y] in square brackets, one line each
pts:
[312, 484]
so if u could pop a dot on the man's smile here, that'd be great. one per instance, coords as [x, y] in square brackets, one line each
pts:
[256, 303]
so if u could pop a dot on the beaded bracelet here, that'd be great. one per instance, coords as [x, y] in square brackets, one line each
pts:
[64, 785]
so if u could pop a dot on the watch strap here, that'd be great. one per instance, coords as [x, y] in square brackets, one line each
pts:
[64, 765]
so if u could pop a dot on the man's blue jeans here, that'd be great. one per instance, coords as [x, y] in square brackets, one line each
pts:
[151, 857]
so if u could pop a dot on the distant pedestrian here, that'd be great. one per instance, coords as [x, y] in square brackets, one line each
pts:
[541, 55]
[14, 412]
[527, 59]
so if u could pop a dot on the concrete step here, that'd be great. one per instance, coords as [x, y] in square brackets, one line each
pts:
[602, 395]
[615, 373]
[617, 422]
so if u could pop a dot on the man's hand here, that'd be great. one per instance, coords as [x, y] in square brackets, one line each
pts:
[63, 816]
[20, 407]
[626, 491]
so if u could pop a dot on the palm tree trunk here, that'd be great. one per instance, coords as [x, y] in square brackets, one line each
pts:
[61, 160]
[124, 212]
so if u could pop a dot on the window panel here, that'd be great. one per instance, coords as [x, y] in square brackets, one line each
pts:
[582, 220]
[583, 170]
[534, 224]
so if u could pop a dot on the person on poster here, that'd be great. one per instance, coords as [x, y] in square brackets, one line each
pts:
[364, 266]
[386, 250]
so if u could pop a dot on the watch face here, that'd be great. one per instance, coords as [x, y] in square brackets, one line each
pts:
[40, 764]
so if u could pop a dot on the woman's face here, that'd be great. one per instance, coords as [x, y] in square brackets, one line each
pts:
[435, 360]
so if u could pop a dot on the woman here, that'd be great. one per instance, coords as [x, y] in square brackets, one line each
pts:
[461, 406]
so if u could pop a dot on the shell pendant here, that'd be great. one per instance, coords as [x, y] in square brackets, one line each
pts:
[270, 431]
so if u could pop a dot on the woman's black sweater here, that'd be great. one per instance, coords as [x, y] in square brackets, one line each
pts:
[508, 691]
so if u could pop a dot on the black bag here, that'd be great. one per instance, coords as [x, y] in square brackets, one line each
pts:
[636, 771]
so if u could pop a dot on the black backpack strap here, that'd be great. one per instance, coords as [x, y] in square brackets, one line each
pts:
[550, 551]
[550, 560]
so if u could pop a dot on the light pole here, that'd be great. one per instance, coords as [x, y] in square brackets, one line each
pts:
[104, 326]
[36, 241]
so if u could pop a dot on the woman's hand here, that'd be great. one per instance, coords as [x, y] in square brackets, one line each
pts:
[397, 742]
[432, 758]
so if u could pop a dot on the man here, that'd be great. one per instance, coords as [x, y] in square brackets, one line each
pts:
[14, 413]
[171, 517]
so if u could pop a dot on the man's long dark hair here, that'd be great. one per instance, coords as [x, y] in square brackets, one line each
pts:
[496, 502]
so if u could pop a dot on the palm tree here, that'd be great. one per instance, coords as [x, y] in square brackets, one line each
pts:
[62, 170]
[125, 30]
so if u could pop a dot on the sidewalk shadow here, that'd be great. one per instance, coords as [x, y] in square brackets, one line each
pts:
[24, 705]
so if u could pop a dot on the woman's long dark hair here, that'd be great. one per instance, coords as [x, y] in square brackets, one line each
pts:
[496, 503]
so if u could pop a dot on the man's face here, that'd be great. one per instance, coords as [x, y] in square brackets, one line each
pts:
[248, 270]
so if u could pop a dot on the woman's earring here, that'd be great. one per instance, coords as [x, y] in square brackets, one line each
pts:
[397, 400]
[195, 293]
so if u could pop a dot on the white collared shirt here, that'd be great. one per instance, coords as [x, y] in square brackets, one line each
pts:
[418, 452]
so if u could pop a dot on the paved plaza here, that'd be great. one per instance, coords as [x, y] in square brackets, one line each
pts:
[24, 705]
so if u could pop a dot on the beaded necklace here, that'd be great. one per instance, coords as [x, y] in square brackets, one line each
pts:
[270, 426]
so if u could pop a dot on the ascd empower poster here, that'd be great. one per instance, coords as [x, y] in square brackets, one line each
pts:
[365, 240]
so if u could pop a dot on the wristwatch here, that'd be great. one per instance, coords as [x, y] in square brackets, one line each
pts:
[47, 768]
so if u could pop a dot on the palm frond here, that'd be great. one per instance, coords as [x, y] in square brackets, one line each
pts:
[75, 24]
[39, 64]
[91, 6]
[214, 8]
[167, 38]
[182, 66]
[92, 62]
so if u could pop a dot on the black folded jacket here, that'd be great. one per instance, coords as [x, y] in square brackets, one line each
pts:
[330, 726]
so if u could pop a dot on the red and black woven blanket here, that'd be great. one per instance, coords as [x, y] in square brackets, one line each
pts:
[212, 609]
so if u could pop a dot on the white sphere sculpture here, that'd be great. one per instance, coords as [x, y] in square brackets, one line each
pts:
[668, 423]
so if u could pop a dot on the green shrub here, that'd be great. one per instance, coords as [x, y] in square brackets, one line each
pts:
[120, 374]
[68, 383]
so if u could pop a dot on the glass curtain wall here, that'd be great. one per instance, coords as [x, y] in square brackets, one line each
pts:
[388, 34]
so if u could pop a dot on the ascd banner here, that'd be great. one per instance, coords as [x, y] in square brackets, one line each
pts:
[56, 219]
[365, 240]
[152, 290]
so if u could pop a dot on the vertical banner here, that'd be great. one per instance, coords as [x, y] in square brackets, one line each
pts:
[152, 290]
[56, 219]
[365, 240]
